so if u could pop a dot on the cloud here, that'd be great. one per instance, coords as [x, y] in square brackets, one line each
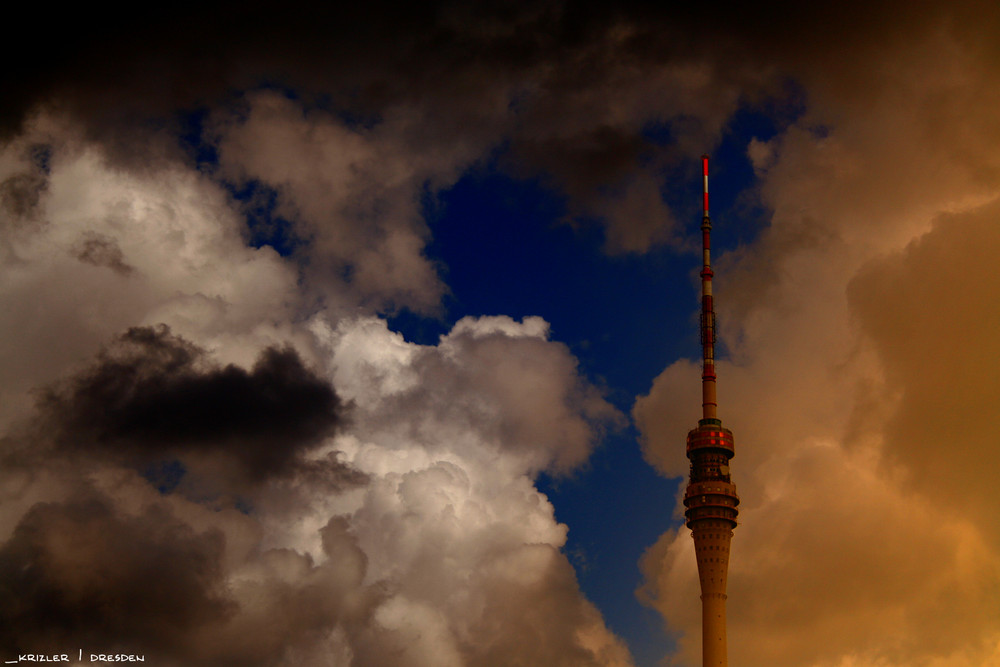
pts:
[451, 436]
[422, 515]
[151, 394]
[77, 573]
[944, 376]
[599, 102]
[512, 392]
[168, 403]
[353, 197]
[174, 583]
[101, 249]
[413, 533]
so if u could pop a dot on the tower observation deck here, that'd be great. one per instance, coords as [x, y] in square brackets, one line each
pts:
[710, 499]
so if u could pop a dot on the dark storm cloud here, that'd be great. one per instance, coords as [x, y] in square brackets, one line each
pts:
[88, 573]
[565, 86]
[600, 101]
[385, 53]
[365, 58]
[78, 573]
[151, 394]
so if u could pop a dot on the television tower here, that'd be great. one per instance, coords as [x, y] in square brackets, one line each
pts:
[710, 499]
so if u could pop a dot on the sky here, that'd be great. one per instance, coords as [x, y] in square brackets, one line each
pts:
[366, 336]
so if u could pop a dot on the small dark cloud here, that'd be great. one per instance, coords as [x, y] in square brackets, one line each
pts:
[20, 195]
[594, 158]
[151, 396]
[20, 204]
[101, 250]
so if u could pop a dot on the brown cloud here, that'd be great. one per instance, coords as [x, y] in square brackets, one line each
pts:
[353, 195]
[931, 310]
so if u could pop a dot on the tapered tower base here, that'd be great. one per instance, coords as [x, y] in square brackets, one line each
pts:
[710, 502]
[711, 544]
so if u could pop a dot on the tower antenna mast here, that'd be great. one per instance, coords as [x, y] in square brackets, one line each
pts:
[710, 499]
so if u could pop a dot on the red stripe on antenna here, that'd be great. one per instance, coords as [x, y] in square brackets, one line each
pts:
[704, 171]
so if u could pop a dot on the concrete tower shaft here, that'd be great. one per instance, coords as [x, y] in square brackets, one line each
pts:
[710, 500]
